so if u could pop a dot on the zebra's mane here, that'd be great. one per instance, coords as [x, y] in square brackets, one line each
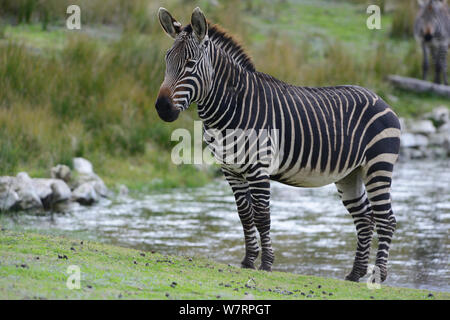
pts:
[228, 44]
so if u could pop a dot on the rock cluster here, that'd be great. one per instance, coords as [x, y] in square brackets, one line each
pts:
[428, 137]
[65, 186]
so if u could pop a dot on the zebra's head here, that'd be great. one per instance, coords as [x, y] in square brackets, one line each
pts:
[429, 11]
[188, 65]
[432, 4]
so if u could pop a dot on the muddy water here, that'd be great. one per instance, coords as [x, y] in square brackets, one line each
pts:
[311, 231]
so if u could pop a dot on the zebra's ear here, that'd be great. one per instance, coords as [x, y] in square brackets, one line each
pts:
[422, 3]
[199, 24]
[171, 26]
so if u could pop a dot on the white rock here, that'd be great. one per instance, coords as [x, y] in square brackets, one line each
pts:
[85, 194]
[439, 138]
[83, 166]
[62, 172]
[94, 180]
[445, 128]
[439, 115]
[420, 126]
[23, 177]
[100, 188]
[42, 188]
[8, 197]
[28, 197]
[410, 140]
[6, 183]
[86, 175]
[418, 153]
[59, 190]
[123, 190]
[8, 200]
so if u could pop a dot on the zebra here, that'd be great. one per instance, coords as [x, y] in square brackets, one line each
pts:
[345, 135]
[432, 31]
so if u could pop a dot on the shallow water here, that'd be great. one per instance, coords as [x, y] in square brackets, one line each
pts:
[311, 231]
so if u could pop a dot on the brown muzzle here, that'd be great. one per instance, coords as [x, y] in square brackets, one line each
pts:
[428, 33]
[164, 106]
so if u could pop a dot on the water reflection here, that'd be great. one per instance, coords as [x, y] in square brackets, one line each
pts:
[312, 234]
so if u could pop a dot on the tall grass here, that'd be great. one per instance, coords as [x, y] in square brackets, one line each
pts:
[338, 64]
[84, 98]
[403, 19]
[129, 15]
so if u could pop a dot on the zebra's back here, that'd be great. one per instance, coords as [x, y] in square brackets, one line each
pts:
[327, 132]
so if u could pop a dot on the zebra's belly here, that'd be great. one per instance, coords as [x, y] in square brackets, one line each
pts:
[311, 179]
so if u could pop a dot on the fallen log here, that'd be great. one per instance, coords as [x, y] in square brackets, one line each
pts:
[420, 86]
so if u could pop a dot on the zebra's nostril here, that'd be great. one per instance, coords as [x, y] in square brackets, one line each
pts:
[428, 37]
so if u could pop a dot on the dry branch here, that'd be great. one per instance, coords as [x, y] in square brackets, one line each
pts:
[420, 86]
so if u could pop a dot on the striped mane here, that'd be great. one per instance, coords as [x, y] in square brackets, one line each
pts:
[228, 44]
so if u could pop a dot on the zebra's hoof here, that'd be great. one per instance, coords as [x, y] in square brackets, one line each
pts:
[352, 277]
[383, 273]
[247, 265]
[265, 267]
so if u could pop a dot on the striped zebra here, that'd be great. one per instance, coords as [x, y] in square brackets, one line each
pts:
[345, 135]
[432, 31]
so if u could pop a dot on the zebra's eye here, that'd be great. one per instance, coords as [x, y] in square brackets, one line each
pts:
[190, 63]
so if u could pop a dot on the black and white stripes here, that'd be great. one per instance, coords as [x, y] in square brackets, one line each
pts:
[345, 135]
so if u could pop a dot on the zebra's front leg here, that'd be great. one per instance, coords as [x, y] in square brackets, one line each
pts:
[260, 197]
[242, 197]
[425, 63]
[437, 58]
[443, 58]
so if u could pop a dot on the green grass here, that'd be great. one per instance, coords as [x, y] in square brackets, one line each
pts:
[30, 269]
[32, 35]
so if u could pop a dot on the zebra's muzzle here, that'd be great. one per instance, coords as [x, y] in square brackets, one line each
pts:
[428, 37]
[165, 108]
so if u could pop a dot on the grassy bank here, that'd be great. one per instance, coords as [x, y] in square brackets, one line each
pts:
[34, 266]
[91, 93]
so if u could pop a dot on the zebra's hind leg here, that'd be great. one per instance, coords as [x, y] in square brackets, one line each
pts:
[354, 198]
[242, 197]
[377, 176]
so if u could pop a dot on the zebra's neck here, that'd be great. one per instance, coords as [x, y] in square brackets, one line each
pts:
[228, 91]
